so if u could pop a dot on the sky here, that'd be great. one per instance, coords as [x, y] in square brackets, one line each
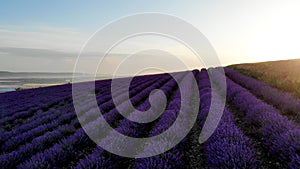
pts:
[47, 36]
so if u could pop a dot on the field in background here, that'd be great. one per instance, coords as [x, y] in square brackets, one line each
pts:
[280, 74]
[11, 81]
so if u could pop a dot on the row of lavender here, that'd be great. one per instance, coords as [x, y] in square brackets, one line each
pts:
[33, 137]
[286, 102]
[40, 117]
[278, 134]
[99, 158]
[228, 147]
[45, 133]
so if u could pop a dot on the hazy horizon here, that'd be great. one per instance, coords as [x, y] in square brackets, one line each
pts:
[110, 74]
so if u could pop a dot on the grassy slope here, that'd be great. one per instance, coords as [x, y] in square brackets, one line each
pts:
[284, 74]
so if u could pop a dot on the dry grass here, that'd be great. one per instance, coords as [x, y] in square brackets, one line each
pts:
[284, 75]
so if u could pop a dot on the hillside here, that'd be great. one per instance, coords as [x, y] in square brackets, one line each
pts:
[284, 74]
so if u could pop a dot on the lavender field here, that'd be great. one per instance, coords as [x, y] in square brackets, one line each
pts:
[259, 127]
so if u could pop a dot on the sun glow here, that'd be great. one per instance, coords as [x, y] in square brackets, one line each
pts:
[278, 37]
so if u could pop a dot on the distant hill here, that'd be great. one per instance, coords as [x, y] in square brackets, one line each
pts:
[283, 74]
[53, 74]
[33, 74]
